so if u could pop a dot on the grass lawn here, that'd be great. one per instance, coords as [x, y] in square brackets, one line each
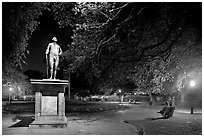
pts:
[71, 106]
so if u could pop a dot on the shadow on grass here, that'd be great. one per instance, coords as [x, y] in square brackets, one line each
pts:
[25, 121]
[157, 118]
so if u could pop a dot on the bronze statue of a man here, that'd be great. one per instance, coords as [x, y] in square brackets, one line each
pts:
[54, 50]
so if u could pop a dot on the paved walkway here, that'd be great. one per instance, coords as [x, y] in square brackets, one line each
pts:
[128, 122]
[83, 125]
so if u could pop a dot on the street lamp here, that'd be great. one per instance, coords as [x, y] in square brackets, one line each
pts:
[10, 89]
[192, 84]
[120, 96]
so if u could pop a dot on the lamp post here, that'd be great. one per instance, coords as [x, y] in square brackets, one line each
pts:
[192, 84]
[120, 95]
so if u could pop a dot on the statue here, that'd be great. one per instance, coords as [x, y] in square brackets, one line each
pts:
[54, 51]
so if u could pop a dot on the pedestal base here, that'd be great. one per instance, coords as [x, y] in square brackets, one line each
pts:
[49, 122]
[49, 103]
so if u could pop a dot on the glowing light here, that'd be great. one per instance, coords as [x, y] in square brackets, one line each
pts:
[192, 83]
[119, 90]
[10, 89]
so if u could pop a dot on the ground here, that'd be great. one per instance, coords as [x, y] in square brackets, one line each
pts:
[182, 123]
[136, 119]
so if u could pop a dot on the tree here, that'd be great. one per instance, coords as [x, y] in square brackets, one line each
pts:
[115, 42]
[18, 23]
[17, 85]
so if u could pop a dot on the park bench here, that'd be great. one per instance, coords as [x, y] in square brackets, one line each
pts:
[167, 111]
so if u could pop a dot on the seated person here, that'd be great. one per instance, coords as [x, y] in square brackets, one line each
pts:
[167, 104]
[167, 111]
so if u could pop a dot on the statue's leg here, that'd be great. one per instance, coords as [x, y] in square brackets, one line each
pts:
[56, 66]
[51, 66]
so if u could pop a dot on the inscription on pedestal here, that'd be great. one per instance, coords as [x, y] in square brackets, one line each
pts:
[49, 105]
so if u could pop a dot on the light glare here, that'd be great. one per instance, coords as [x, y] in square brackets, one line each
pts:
[192, 83]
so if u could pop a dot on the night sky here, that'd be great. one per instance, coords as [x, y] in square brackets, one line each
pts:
[39, 41]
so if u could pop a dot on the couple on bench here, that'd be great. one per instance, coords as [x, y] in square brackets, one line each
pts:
[168, 110]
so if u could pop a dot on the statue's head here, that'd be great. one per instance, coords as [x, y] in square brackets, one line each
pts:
[54, 39]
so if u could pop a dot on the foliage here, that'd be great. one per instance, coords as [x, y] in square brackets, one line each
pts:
[19, 83]
[130, 45]
[121, 43]
[18, 23]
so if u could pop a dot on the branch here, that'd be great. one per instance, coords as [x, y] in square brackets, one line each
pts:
[120, 25]
[141, 10]
[119, 7]
[171, 28]
[109, 18]
[128, 18]
[102, 43]
[119, 11]
[191, 45]
[103, 14]
[109, 39]
[155, 45]
[167, 50]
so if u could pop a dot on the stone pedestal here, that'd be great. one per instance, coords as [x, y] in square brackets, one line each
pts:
[49, 103]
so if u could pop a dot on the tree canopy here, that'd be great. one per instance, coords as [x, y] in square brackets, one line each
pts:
[115, 44]
[140, 44]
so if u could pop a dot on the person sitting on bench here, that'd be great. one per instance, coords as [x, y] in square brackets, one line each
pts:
[168, 110]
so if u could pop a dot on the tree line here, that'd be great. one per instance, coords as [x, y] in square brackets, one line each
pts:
[129, 45]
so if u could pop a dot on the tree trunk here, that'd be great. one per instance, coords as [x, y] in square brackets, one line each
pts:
[10, 99]
[151, 98]
[182, 97]
[191, 109]
[69, 93]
